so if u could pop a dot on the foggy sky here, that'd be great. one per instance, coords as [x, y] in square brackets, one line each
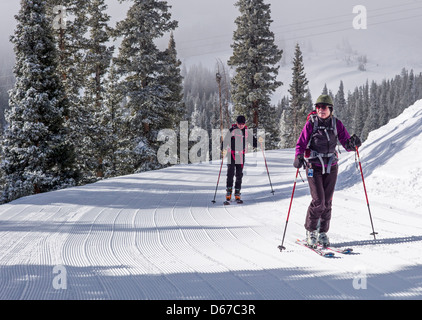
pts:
[206, 26]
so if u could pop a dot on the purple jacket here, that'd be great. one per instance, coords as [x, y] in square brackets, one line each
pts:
[306, 134]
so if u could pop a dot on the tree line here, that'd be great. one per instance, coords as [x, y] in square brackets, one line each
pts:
[82, 109]
[372, 105]
[362, 110]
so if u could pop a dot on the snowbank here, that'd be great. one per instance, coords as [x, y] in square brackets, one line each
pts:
[391, 160]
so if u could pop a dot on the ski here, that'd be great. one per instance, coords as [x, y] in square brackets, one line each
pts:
[338, 250]
[229, 202]
[317, 250]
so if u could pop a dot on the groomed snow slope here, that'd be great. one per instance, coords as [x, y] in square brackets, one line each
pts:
[156, 235]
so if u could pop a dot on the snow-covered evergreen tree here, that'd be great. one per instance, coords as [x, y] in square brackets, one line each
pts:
[196, 116]
[324, 89]
[117, 127]
[365, 100]
[340, 102]
[418, 87]
[394, 106]
[384, 115]
[412, 90]
[91, 144]
[69, 21]
[141, 67]
[255, 58]
[374, 111]
[358, 109]
[7, 80]
[299, 105]
[172, 77]
[69, 34]
[286, 129]
[35, 154]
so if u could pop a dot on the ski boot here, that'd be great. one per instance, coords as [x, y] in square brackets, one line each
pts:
[311, 238]
[323, 239]
[228, 194]
[237, 196]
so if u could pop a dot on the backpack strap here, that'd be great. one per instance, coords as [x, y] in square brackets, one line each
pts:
[334, 125]
[314, 120]
[331, 157]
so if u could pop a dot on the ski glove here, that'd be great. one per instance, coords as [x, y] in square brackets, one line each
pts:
[299, 161]
[353, 142]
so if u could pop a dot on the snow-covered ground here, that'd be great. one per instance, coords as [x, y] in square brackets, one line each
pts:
[157, 235]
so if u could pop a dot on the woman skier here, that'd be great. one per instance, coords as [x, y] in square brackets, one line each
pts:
[315, 151]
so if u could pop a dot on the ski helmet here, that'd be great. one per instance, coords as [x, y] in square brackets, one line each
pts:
[324, 99]
[241, 119]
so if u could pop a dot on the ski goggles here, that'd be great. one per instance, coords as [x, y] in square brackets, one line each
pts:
[322, 106]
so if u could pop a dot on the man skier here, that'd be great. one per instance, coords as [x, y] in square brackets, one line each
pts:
[234, 145]
[315, 150]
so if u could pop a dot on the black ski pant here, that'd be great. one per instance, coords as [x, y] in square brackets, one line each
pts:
[322, 189]
[233, 170]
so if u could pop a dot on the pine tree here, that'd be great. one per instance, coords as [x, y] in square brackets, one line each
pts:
[300, 106]
[324, 89]
[358, 111]
[340, 102]
[371, 122]
[412, 96]
[117, 127]
[254, 58]
[418, 87]
[365, 100]
[35, 154]
[6, 83]
[384, 115]
[395, 101]
[140, 65]
[69, 33]
[172, 77]
[69, 20]
[286, 129]
[91, 146]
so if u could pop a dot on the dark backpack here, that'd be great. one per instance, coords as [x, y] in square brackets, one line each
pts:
[311, 154]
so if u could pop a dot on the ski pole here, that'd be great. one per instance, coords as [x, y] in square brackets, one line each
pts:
[268, 173]
[281, 247]
[218, 180]
[366, 195]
